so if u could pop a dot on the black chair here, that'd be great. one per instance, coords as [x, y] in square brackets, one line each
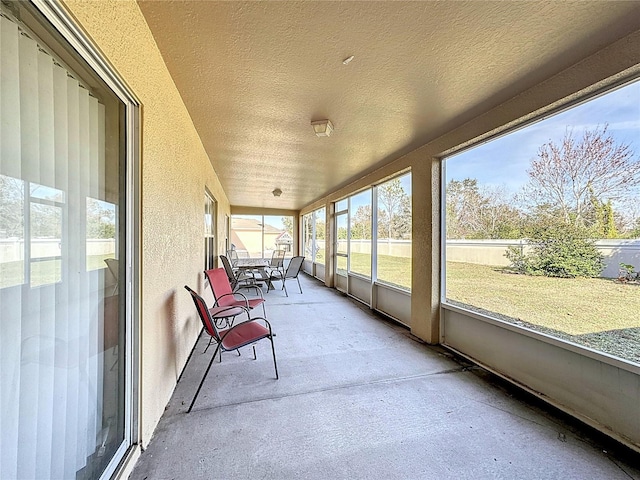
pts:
[240, 279]
[292, 271]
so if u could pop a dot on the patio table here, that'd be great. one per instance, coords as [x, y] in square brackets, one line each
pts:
[258, 264]
[252, 263]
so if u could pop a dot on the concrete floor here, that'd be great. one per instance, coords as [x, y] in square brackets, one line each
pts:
[359, 398]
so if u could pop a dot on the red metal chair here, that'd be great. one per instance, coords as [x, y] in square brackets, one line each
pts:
[233, 338]
[224, 295]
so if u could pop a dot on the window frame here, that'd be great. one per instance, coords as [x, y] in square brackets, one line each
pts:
[589, 94]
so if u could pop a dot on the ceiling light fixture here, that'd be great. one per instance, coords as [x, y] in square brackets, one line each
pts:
[322, 128]
[347, 60]
[277, 192]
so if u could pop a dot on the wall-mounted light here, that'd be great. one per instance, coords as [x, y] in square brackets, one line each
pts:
[322, 128]
[277, 192]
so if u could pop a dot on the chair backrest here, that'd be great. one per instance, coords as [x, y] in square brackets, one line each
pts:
[112, 265]
[203, 313]
[295, 265]
[228, 268]
[220, 285]
[232, 255]
[277, 258]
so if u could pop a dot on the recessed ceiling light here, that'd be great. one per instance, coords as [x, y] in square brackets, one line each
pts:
[347, 60]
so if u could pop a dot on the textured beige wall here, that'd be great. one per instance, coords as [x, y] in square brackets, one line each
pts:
[174, 172]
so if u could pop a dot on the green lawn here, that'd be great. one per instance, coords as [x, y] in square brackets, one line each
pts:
[393, 270]
[43, 273]
[597, 312]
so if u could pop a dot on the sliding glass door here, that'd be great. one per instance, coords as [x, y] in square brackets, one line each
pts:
[65, 368]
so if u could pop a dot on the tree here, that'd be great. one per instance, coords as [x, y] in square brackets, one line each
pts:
[603, 219]
[570, 174]
[480, 212]
[320, 229]
[557, 250]
[634, 232]
[397, 204]
[101, 220]
[11, 207]
[361, 223]
[287, 223]
[463, 200]
[401, 223]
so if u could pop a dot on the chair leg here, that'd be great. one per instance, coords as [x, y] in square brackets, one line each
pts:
[205, 376]
[254, 352]
[273, 350]
[208, 345]
[284, 287]
[299, 286]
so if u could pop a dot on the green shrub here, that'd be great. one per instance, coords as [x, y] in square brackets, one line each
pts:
[558, 251]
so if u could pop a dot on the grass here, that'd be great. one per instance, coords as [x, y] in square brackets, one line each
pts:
[392, 270]
[576, 306]
[599, 313]
[44, 272]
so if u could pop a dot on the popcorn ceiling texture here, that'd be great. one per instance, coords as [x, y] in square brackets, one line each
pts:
[174, 172]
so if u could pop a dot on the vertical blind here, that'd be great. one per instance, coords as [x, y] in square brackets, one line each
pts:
[52, 354]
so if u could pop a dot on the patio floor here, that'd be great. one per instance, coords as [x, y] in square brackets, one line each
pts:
[360, 398]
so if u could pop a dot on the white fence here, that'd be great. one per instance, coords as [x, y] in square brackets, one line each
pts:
[491, 252]
[12, 249]
[394, 248]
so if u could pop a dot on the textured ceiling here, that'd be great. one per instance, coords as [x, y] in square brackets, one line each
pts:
[253, 76]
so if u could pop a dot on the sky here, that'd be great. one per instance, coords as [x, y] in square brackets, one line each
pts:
[364, 198]
[505, 160]
[273, 220]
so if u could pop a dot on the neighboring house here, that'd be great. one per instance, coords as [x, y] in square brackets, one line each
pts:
[256, 239]
[284, 241]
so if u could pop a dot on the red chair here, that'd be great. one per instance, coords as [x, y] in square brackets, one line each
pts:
[224, 295]
[233, 338]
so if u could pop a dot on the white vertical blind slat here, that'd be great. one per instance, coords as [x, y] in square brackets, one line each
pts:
[10, 305]
[47, 319]
[30, 340]
[73, 281]
[86, 444]
[61, 329]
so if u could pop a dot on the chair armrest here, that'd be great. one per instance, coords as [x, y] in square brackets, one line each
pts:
[254, 319]
[276, 275]
[232, 295]
[266, 323]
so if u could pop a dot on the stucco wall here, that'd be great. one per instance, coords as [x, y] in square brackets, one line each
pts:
[174, 172]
